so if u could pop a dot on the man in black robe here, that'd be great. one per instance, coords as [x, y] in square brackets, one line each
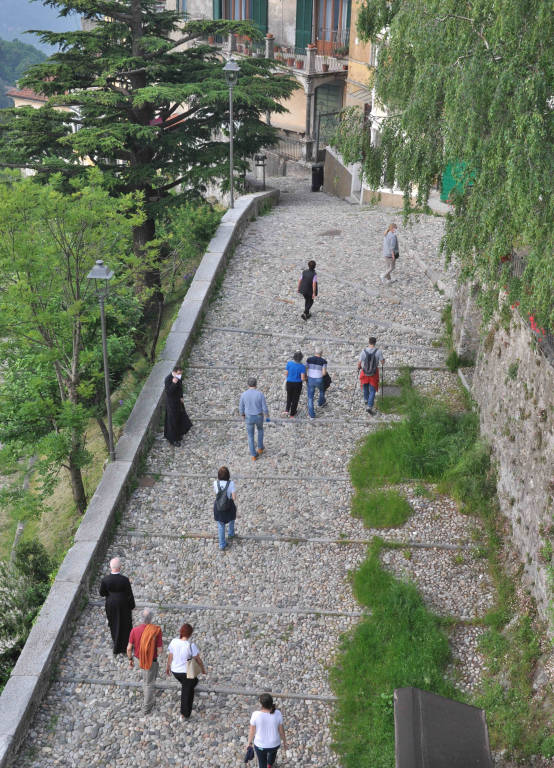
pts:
[177, 422]
[120, 602]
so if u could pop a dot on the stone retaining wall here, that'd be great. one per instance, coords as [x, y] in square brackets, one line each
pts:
[513, 385]
[31, 675]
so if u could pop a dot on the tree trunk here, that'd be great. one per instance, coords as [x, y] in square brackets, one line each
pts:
[104, 430]
[77, 486]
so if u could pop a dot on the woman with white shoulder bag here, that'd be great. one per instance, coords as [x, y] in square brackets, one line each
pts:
[183, 660]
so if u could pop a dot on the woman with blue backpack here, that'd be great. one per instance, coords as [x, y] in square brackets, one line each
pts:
[225, 508]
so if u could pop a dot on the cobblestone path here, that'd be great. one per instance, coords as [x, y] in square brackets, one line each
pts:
[269, 611]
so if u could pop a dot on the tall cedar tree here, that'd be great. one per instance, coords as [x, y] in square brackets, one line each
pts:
[470, 82]
[151, 117]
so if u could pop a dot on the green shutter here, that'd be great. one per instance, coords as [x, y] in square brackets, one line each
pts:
[348, 17]
[303, 23]
[259, 14]
[218, 10]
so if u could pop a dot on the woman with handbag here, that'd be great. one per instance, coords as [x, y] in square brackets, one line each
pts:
[183, 660]
[266, 732]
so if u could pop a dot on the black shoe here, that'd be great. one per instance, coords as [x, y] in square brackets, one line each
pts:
[308, 314]
[322, 405]
[369, 410]
[177, 443]
[304, 316]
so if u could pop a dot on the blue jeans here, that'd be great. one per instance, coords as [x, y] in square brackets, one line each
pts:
[314, 384]
[221, 532]
[369, 395]
[251, 423]
[266, 757]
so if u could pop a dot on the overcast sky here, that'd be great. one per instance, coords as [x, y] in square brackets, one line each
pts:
[16, 16]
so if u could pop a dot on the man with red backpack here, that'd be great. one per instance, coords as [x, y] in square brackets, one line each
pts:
[368, 366]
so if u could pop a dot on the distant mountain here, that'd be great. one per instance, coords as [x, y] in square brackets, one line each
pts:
[15, 60]
[17, 16]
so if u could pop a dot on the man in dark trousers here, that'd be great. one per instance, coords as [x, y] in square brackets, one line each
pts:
[307, 286]
[177, 422]
[120, 602]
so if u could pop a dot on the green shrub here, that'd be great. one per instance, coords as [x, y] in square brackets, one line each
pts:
[380, 509]
[400, 644]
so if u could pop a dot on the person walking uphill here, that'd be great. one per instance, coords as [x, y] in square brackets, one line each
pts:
[119, 604]
[390, 252]
[296, 374]
[225, 508]
[368, 366]
[317, 368]
[307, 286]
[252, 407]
[183, 660]
[177, 422]
[145, 643]
[266, 732]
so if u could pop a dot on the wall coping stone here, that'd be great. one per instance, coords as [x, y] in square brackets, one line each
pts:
[31, 675]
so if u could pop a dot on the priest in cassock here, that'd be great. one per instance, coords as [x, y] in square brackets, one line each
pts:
[120, 602]
[177, 422]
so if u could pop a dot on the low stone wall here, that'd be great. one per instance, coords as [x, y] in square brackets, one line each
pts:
[31, 675]
[513, 385]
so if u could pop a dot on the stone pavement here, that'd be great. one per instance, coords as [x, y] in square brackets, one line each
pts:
[269, 611]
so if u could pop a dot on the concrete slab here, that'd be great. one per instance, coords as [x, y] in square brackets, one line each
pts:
[74, 565]
[50, 627]
[16, 708]
[199, 291]
[175, 344]
[222, 239]
[210, 266]
[107, 497]
[187, 317]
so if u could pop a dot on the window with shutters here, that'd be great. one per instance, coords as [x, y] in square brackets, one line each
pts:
[240, 10]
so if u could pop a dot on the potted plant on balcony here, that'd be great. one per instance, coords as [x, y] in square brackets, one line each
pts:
[299, 63]
[211, 39]
[290, 60]
[341, 51]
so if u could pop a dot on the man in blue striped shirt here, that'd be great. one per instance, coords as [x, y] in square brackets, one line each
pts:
[252, 407]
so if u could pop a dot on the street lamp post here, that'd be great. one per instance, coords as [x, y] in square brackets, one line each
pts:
[231, 70]
[101, 275]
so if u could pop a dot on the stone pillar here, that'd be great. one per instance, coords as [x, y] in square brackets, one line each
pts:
[311, 51]
[269, 46]
[309, 90]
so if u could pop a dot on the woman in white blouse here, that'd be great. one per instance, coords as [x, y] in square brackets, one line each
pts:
[181, 649]
[266, 732]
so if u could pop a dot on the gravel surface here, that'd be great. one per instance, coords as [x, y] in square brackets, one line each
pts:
[260, 625]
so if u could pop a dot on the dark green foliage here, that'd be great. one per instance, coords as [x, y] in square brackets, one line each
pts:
[380, 509]
[15, 59]
[400, 644]
[25, 585]
[471, 85]
[150, 118]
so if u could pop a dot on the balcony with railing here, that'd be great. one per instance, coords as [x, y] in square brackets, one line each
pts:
[311, 60]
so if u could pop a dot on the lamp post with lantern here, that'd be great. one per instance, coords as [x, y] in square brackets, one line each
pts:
[101, 274]
[231, 70]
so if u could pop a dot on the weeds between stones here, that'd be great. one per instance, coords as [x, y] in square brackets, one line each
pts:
[402, 643]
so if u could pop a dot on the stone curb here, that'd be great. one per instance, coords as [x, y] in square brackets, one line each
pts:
[33, 672]
[433, 276]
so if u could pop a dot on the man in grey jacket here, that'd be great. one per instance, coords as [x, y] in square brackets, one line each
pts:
[252, 407]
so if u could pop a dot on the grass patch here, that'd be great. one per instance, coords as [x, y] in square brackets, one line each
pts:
[401, 643]
[380, 509]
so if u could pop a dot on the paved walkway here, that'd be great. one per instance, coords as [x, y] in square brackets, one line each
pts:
[269, 611]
